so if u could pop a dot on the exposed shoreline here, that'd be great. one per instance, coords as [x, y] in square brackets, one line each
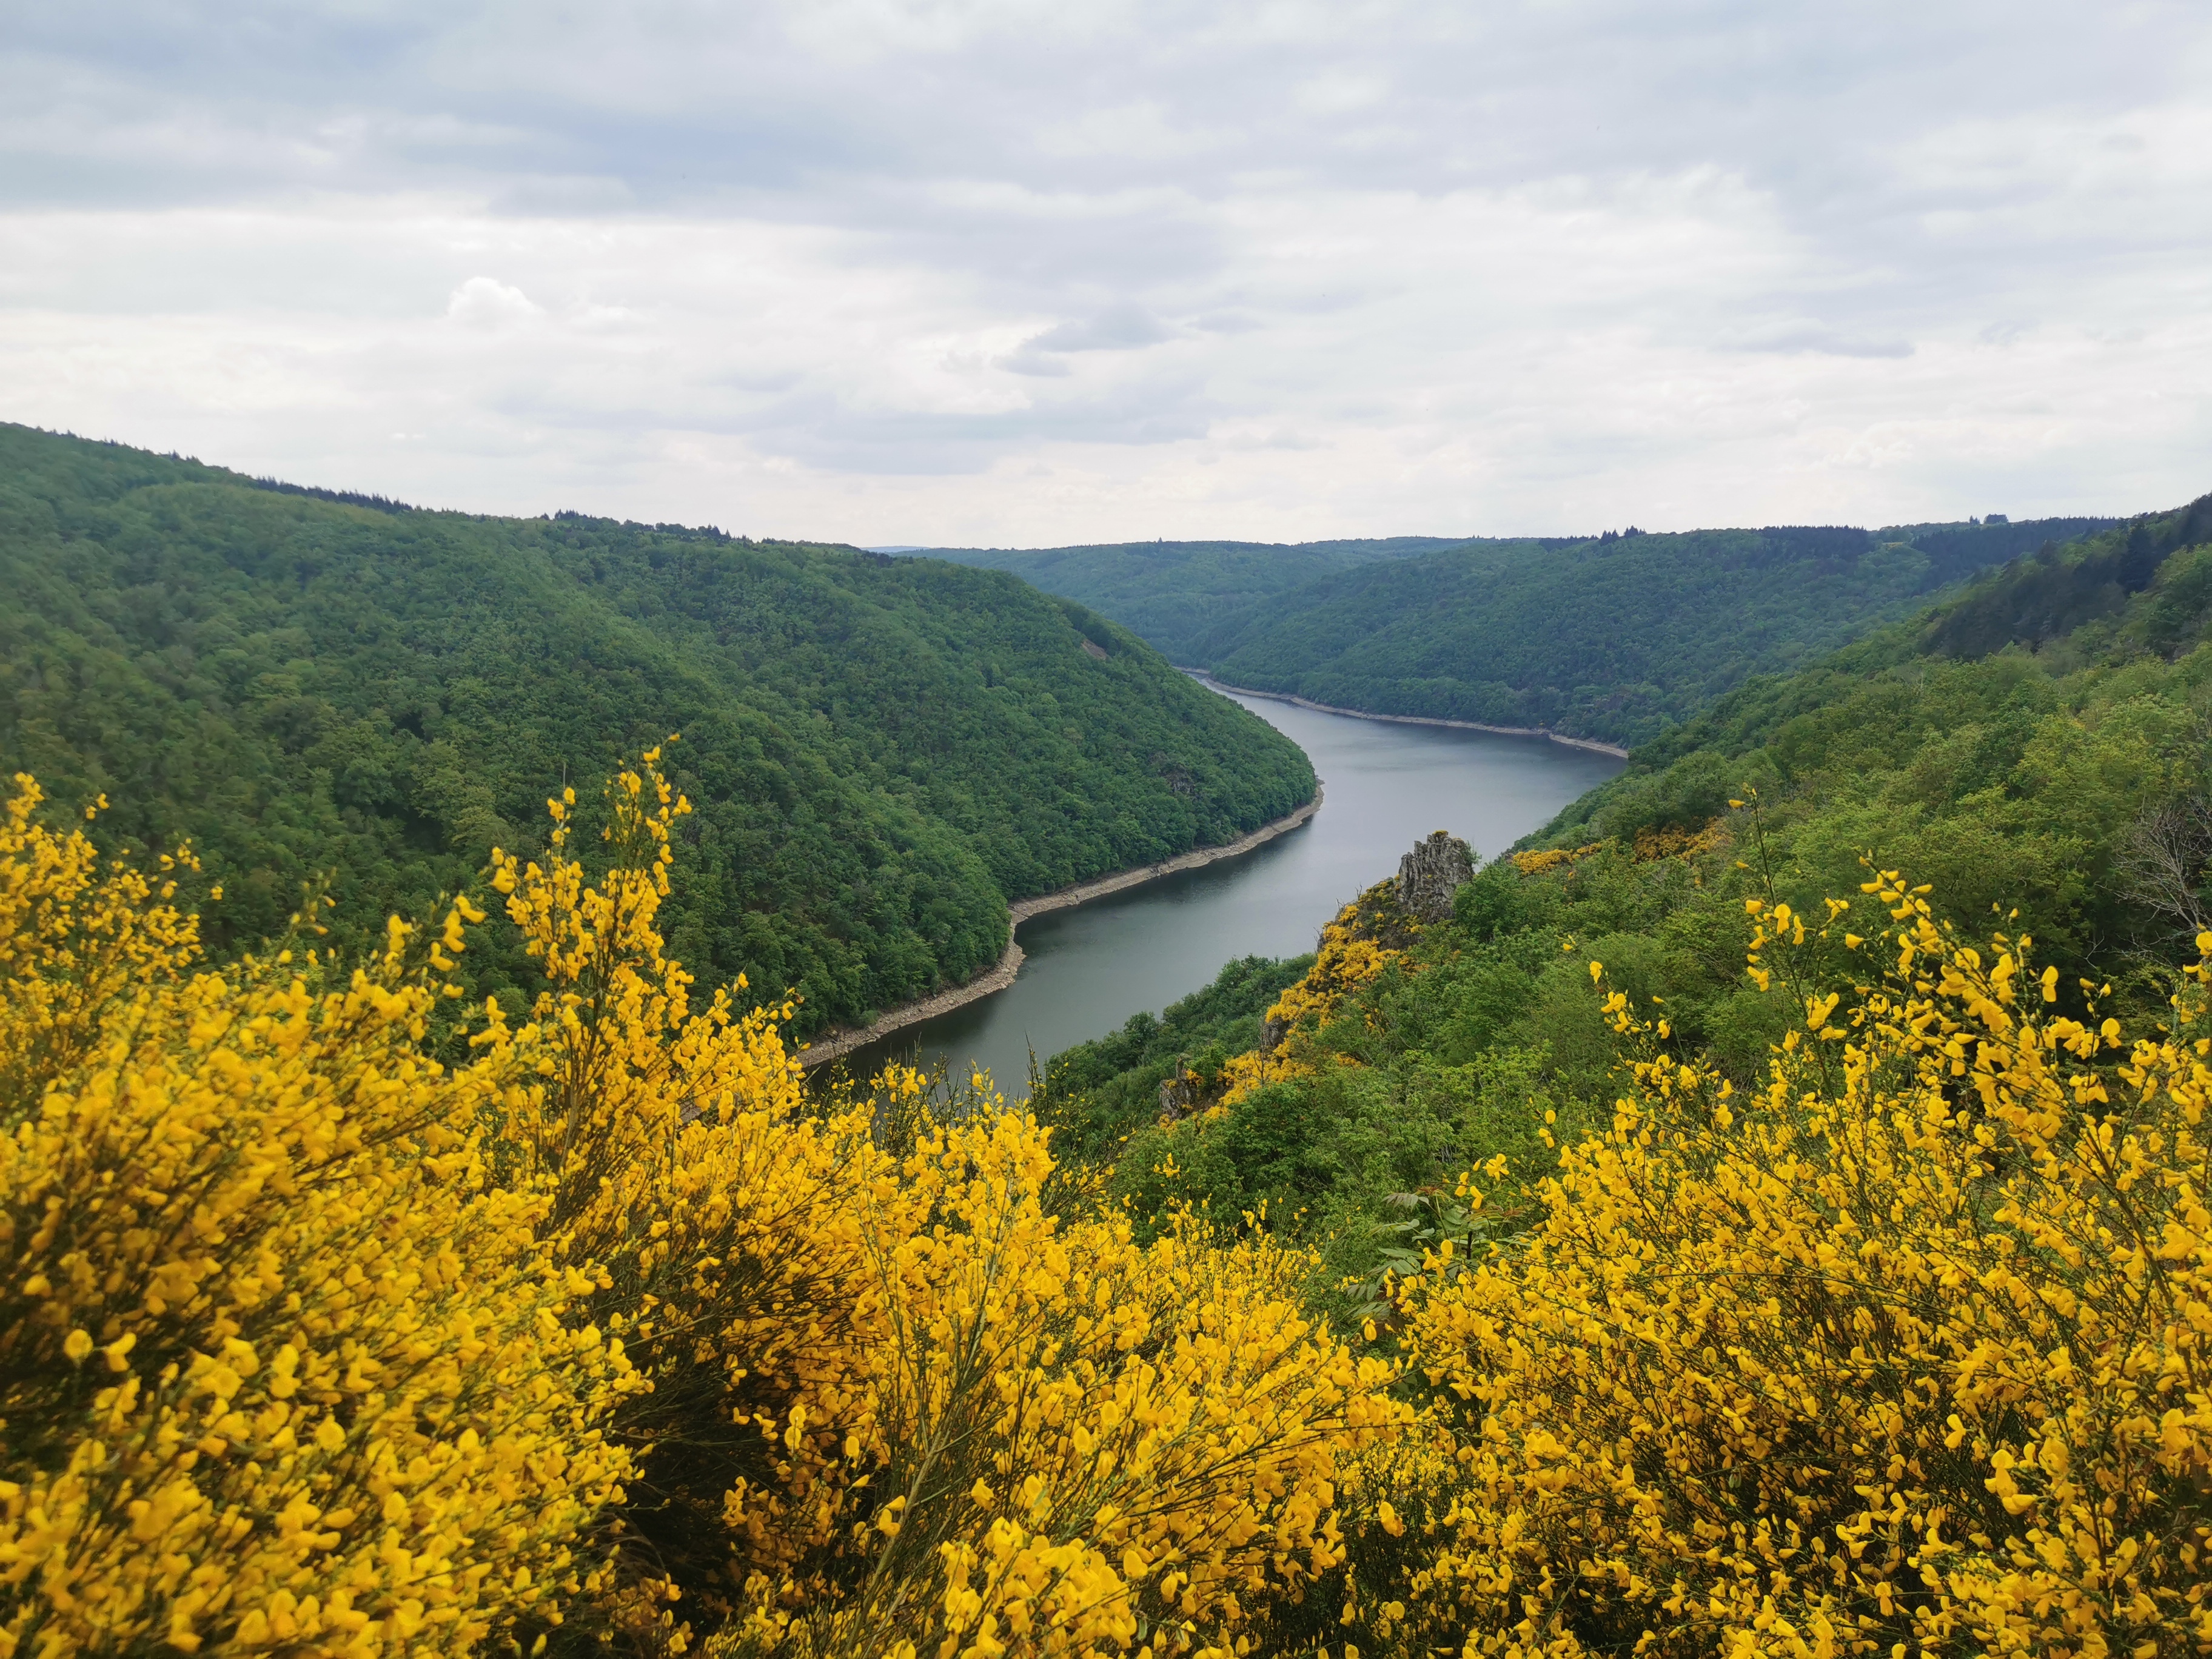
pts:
[834, 1045]
[1613, 749]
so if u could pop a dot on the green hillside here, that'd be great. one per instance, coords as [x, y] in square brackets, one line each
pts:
[881, 753]
[1836, 1076]
[2055, 643]
[1176, 594]
[1616, 638]
[2034, 750]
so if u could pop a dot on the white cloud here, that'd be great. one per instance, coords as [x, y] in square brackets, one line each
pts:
[1791, 337]
[995, 271]
[486, 304]
[1118, 328]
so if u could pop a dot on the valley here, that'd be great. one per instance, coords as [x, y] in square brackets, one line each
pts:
[1837, 1049]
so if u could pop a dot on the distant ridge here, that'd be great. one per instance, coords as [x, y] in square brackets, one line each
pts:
[1611, 638]
[342, 498]
[1173, 593]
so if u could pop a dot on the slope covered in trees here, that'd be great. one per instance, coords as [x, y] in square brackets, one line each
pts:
[882, 752]
[1176, 594]
[2034, 749]
[2038, 711]
[1616, 638]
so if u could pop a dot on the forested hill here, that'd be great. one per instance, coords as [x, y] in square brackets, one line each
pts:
[2128, 598]
[880, 752]
[1177, 594]
[2032, 754]
[2037, 741]
[1616, 637]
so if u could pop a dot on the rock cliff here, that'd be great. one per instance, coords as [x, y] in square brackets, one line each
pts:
[1430, 874]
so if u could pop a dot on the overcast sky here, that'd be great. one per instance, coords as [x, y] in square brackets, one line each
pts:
[1023, 274]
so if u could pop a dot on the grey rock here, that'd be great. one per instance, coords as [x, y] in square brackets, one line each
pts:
[1430, 874]
[1179, 1093]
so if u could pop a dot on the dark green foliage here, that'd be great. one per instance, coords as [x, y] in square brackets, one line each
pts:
[2014, 747]
[2058, 590]
[1956, 551]
[344, 497]
[1098, 1092]
[1174, 594]
[1616, 638]
[881, 753]
[1946, 708]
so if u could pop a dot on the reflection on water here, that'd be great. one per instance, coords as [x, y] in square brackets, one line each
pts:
[1091, 967]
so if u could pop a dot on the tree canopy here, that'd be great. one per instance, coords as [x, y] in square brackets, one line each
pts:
[1177, 594]
[881, 753]
[1618, 636]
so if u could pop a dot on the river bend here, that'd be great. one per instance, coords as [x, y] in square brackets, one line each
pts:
[1091, 967]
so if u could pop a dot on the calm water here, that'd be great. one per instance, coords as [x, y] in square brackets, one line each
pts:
[1091, 967]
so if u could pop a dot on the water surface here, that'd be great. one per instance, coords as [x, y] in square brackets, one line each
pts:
[1091, 967]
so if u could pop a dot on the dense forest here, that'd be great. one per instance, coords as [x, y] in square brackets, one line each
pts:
[1616, 637]
[1177, 594]
[881, 753]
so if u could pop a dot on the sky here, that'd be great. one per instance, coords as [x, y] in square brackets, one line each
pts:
[989, 272]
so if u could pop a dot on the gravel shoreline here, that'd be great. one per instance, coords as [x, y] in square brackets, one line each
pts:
[1613, 749]
[835, 1044]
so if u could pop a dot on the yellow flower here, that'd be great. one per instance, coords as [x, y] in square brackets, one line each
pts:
[392, 1343]
[1860, 1360]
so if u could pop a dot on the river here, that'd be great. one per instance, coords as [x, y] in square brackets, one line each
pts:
[1091, 967]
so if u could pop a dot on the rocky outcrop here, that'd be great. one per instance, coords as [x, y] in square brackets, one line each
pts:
[1179, 1093]
[1430, 874]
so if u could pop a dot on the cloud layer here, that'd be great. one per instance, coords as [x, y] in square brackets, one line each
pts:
[934, 272]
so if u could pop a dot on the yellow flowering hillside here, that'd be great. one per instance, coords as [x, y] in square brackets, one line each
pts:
[312, 1344]
[1896, 1340]
[1907, 1350]
[1359, 942]
[334, 1321]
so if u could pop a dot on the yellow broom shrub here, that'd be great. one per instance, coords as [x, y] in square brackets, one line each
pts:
[893, 1399]
[278, 1369]
[1905, 1352]
[682, 1172]
[1348, 958]
[1075, 1444]
[610, 1332]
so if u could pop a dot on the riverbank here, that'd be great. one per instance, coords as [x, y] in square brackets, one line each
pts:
[835, 1044]
[1590, 743]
